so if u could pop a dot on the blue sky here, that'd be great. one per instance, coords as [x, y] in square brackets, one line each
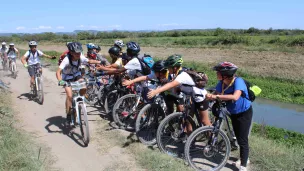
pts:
[60, 16]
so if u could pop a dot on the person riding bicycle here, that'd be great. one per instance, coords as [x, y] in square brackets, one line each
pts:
[3, 51]
[183, 82]
[12, 53]
[230, 89]
[120, 45]
[32, 58]
[69, 71]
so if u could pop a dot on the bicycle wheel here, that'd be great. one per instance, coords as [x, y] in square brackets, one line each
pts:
[40, 94]
[101, 95]
[110, 100]
[147, 123]
[91, 94]
[84, 124]
[14, 69]
[126, 110]
[201, 155]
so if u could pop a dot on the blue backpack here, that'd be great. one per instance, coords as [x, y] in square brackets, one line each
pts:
[146, 63]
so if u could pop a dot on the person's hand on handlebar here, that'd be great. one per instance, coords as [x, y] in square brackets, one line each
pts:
[61, 83]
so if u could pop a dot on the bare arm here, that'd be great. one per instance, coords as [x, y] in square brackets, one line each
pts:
[167, 86]
[48, 56]
[138, 79]
[235, 96]
[58, 74]
[23, 60]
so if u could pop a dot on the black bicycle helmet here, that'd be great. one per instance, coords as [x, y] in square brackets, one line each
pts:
[75, 47]
[114, 51]
[159, 66]
[226, 68]
[174, 61]
[133, 48]
[98, 48]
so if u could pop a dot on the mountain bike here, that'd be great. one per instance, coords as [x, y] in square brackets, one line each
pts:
[79, 110]
[13, 68]
[172, 131]
[208, 148]
[127, 107]
[93, 86]
[37, 87]
[148, 120]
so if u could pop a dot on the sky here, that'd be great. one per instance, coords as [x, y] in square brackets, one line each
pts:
[35, 16]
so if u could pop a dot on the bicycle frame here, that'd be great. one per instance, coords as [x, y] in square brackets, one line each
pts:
[77, 98]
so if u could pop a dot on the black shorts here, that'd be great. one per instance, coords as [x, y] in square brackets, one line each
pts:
[175, 100]
[201, 106]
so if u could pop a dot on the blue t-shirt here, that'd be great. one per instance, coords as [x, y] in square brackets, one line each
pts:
[242, 104]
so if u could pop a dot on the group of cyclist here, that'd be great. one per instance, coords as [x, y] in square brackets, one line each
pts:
[8, 53]
[170, 73]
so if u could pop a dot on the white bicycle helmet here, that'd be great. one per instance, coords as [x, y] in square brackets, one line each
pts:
[12, 44]
[3, 43]
[32, 43]
[119, 43]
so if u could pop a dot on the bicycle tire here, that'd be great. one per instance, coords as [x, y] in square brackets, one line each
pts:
[84, 124]
[118, 117]
[92, 94]
[40, 94]
[160, 129]
[198, 133]
[145, 137]
[14, 69]
[107, 105]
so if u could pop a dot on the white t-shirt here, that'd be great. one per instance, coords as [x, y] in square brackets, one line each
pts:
[3, 50]
[133, 68]
[184, 78]
[12, 53]
[33, 58]
[70, 72]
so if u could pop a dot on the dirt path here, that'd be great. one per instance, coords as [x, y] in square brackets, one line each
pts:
[46, 122]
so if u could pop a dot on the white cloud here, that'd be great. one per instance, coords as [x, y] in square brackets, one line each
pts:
[81, 26]
[20, 28]
[169, 24]
[115, 26]
[44, 27]
[94, 27]
[59, 27]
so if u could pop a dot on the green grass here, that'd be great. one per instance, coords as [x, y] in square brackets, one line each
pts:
[266, 154]
[17, 149]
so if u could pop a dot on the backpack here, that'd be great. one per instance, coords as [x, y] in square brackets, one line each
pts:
[251, 94]
[199, 78]
[146, 63]
[28, 57]
[62, 56]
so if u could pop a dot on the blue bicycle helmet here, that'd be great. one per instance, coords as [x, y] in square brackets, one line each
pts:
[91, 46]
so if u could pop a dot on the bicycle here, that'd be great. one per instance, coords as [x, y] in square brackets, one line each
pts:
[4, 64]
[148, 120]
[79, 110]
[37, 87]
[172, 131]
[93, 87]
[127, 107]
[217, 147]
[13, 68]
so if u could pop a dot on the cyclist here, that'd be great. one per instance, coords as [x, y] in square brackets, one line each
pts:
[183, 82]
[133, 67]
[12, 53]
[99, 57]
[31, 59]
[3, 51]
[230, 89]
[117, 60]
[119, 44]
[69, 70]
[160, 73]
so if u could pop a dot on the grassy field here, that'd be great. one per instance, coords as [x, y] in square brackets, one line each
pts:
[18, 151]
[245, 42]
